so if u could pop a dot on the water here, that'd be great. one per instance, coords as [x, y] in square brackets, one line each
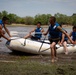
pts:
[4, 49]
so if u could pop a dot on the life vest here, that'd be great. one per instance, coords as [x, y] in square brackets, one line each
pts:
[1, 23]
[60, 35]
[73, 36]
[53, 31]
[38, 35]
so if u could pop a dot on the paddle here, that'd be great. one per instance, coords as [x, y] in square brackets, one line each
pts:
[42, 45]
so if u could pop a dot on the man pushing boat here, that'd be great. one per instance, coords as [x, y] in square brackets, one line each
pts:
[54, 30]
[3, 23]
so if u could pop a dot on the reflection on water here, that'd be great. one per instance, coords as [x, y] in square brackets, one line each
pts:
[3, 48]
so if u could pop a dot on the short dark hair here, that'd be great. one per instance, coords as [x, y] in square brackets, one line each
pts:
[39, 23]
[53, 18]
[5, 18]
[74, 27]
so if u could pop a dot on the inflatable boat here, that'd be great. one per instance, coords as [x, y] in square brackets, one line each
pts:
[35, 47]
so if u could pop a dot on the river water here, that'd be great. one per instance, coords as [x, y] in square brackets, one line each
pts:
[23, 31]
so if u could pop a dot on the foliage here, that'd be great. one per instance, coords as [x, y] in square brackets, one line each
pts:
[74, 19]
[29, 20]
[12, 18]
[43, 18]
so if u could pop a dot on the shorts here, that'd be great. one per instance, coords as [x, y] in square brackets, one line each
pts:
[54, 40]
[74, 39]
[64, 40]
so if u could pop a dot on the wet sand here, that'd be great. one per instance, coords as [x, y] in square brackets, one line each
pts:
[6, 54]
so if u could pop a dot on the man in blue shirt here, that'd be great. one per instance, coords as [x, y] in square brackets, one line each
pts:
[3, 23]
[54, 30]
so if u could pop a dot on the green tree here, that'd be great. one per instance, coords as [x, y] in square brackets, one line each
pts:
[43, 18]
[12, 18]
[62, 18]
[0, 15]
[29, 20]
[4, 13]
[74, 19]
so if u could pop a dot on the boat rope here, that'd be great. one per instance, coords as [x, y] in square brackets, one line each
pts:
[45, 50]
[42, 45]
[49, 48]
[23, 44]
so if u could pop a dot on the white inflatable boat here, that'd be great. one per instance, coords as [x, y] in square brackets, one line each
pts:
[35, 47]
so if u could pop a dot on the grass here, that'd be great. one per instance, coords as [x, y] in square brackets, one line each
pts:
[25, 65]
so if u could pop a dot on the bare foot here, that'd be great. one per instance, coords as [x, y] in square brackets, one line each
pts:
[66, 53]
[52, 60]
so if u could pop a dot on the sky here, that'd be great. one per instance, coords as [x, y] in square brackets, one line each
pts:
[24, 8]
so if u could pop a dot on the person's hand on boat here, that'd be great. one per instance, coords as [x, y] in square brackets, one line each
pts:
[74, 43]
[44, 33]
[9, 39]
[60, 44]
[10, 35]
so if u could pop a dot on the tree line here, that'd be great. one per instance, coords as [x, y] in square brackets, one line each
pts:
[43, 18]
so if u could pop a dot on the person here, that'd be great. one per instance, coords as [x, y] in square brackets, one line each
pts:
[38, 32]
[54, 30]
[63, 40]
[3, 23]
[73, 34]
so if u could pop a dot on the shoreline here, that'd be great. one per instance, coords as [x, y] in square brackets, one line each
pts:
[45, 26]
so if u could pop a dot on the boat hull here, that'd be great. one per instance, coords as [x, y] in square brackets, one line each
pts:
[31, 46]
